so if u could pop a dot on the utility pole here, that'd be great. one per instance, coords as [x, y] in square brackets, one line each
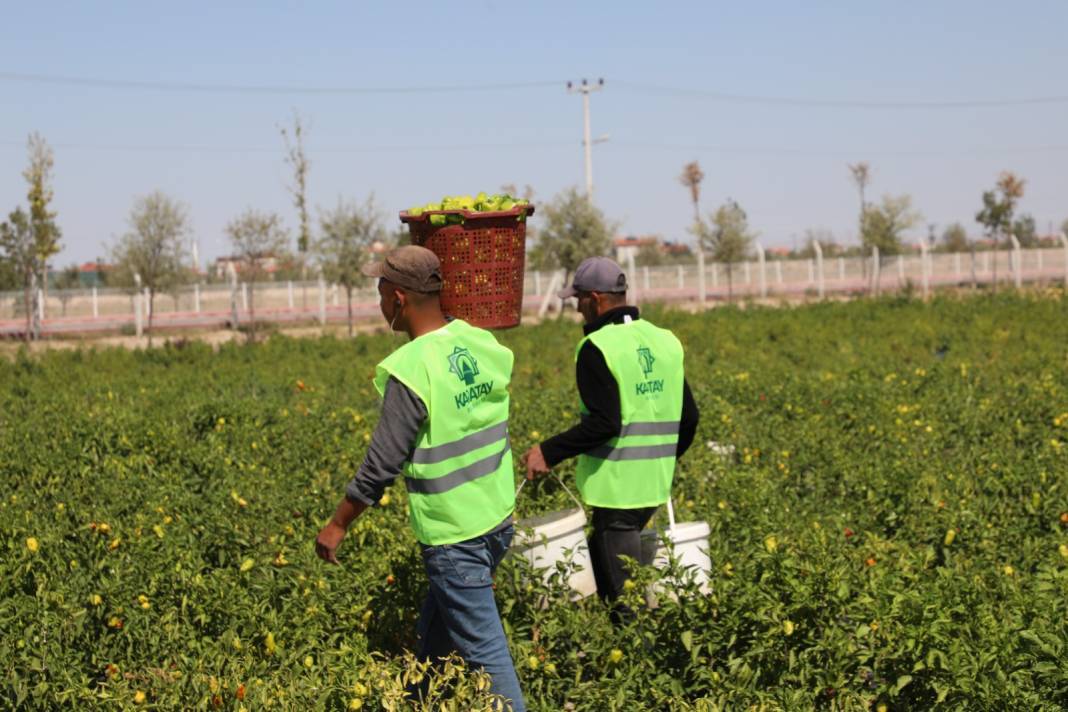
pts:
[585, 89]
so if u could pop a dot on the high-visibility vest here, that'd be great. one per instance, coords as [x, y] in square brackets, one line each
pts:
[459, 480]
[635, 469]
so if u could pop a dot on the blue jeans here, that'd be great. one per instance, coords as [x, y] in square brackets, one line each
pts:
[460, 614]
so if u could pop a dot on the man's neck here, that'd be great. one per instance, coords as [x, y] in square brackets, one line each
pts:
[424, 324]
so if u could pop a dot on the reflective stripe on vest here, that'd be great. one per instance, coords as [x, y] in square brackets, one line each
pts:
[459, 479]
[477, 469]
[635, 468]
[640, 452]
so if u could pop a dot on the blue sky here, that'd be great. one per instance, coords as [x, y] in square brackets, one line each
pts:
[220, 151]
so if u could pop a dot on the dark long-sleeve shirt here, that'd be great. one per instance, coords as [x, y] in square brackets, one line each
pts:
[600, 394]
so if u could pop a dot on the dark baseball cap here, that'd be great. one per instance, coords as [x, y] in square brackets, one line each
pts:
[596, 274]
[412, 267]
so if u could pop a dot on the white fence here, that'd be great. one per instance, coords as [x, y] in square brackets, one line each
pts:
[84, 310]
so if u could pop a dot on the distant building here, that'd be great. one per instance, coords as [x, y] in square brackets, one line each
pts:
[90, 274]
[628, 246]
[269, 264]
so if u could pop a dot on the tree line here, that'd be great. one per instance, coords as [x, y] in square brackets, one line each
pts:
[153, 255]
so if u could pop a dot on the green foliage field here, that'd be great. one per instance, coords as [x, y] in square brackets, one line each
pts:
[890, 531]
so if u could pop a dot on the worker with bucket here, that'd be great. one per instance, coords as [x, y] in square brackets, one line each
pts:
[444, 424]
[638, 417]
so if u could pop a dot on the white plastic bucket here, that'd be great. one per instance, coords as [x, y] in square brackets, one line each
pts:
[552, 537]
[690, 540]
[549, 538]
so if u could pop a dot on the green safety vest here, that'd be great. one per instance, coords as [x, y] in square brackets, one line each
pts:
[635, 469]
[460, 481]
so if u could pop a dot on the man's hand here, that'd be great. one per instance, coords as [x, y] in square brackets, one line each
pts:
[328, 540]
[331, 535]
[535, 462]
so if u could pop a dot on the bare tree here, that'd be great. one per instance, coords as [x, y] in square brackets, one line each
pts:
[298, 162]
[255, 238]
[348, 233]
[691, 178]
[153, 248]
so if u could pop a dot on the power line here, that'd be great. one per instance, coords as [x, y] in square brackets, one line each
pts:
[325, 150]
[806, 152]
[96, 82]
[617, 143]
[725, 97]
[712, 95]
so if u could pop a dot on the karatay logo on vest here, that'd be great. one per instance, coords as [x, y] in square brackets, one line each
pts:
[646, 361]
[464, 365]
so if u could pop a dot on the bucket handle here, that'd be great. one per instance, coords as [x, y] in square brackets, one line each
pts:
[569, 493]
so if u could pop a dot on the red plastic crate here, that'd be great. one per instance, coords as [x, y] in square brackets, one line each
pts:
[482, 262]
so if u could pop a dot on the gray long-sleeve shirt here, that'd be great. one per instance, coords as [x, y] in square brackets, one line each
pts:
[392, 444]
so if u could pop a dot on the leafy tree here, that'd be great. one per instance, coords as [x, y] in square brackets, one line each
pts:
[256, 237]
[21, 258]
[955, 238]
[649, 254]
[1025, 231]
[883, 225]
[1064, 227]
[8, 279]
[574, 229]
[826, 241]
[67, 281]
[45, 231]
[997, 212]
[153, 248]
[348, 233]
[727, 237]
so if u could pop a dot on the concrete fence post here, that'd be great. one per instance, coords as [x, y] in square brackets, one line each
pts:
[1064, 246]
[819, 267]
[875, 270]
[701, 291]
[762, 273]
[1017, 262]
[138, 329]
[924, 271]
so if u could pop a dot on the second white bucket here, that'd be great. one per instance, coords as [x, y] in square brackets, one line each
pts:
[690, 540]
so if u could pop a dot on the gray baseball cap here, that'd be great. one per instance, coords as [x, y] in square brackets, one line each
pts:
[411, 266]
[596, 274]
